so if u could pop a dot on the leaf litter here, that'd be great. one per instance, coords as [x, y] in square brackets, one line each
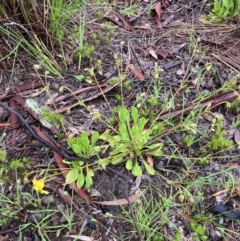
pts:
[165, 38]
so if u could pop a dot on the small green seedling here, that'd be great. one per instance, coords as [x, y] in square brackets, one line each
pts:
[223, 10]
[3, 155]
[85, 147]
[218, 141]
[198, 231]
[80, 173]
[131, 143]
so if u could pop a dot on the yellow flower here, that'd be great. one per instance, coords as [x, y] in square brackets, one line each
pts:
[38, 185]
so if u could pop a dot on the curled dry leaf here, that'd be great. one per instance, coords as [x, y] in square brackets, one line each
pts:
[135, 71]
[126, 23]
[237, 136]
[158, 8]
[81, 237]
[220, 195]
[150, 161]
[122, 201]
[153, 53]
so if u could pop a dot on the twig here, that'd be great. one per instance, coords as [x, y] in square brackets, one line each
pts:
[32, 132]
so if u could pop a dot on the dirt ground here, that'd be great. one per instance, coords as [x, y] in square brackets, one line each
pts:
[195, 60]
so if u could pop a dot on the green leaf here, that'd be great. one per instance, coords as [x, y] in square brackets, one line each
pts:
[88, 180]
[205, 20]
[155, 149]
[141, 123]
[84, 138]
[123, 132]
[95, 150]
[104, 136]
[120, 149]
[80, 180]
[149, 169]
[135, 114]
[72, 176]
[84, 134]
[76, 148]
[216, 6]
[104, 162]
[79, 77]
[136, 170]
[116, 159]
[80, 163]
[135, 131]
[129, 164]
[157, 152]
[112, 140]
[124, 115]
[94, 137]
[90, 172]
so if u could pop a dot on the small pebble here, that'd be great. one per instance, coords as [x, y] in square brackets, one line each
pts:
[179, 72]
[35, 217]
[48, 200]
[55, 86]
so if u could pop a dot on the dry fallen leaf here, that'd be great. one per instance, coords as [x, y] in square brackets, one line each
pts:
[237, 136]
[80, 237]
[150, 161]
[220, 195]
[154, 55]
[135, 71]
[127, 24]
[158, 8]
[122, 201]
[220, 192]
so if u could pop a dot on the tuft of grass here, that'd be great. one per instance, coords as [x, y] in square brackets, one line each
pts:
[222, 10]
[41, 29]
